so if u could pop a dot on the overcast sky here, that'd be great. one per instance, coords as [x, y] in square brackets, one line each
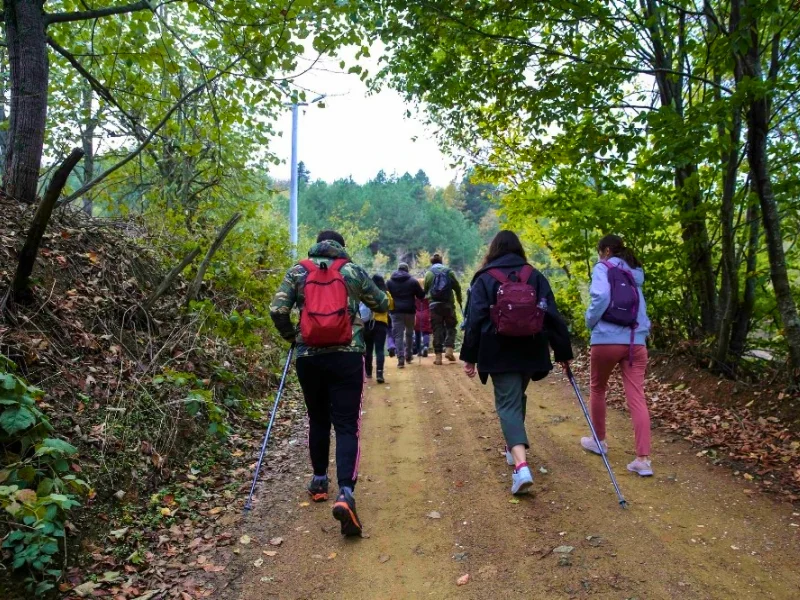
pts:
[358, 135]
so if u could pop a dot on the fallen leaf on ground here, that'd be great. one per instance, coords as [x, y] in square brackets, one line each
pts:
[258, 562]
[384, 558]
[434, 515]
[463, 580]
[270, 553]
[276, 541]
[332, 555]
[245, 539]
[514, 501]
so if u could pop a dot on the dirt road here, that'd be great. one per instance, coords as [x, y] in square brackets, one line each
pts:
[434, 498]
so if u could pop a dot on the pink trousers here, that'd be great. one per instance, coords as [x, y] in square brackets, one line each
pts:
[604, 359]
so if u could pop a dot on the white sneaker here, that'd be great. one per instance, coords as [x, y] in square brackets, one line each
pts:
[642, 468]
[589, 444]
[521, 481]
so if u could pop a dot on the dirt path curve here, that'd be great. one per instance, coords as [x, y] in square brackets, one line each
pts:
[432, 448]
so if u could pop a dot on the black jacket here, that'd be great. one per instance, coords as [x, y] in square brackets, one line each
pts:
[494, 353]
[404, 288]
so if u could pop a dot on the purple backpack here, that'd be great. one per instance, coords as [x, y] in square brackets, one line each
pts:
[624, 306]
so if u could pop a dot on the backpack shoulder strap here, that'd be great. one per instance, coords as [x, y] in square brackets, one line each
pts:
[525, 273]
[339, 263]
[309, 265]
[608, 265]
[498, 275]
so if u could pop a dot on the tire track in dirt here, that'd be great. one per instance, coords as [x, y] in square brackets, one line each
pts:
[432, 443]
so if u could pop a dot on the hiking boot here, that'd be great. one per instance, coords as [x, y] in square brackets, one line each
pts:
[344, 511]
[449, 354]
[318, 488]
[438, 359]
[410, 358]
[368, 374]
[509, 458]
[521, 481]
[425, 353]
[401, 363]
[589, 444]
[391, 352]
[380, 378]
[641, 467]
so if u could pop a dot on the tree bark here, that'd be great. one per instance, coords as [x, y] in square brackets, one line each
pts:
[194, 288]
[729, 292]
[744, 314]
[758, 116]
[27, 52]
[27, 258]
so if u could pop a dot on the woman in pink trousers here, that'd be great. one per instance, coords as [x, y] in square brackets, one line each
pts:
[617, 318]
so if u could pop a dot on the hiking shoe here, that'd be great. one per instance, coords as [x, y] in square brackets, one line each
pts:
[521, 481]
[438, 359]
[410, 358]
[589, 444]
[509, 458]
[425, 353]
[449, 354]
[318, 489]
[391, 352]
[401, 363]
[380, 378]
[641, 467]
[344, 511]
[369, 374]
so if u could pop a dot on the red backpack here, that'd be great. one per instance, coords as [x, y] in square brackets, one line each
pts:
[517, 311]
[325, 319]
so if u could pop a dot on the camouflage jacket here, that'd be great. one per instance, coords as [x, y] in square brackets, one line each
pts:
[360, 288]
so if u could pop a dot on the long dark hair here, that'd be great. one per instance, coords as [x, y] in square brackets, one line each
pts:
[380, 282]
[505, 242]
[619, 249]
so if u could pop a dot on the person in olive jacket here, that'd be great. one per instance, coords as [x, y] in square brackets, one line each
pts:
[512, 362]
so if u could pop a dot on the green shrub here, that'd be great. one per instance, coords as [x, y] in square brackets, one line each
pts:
[37, 488]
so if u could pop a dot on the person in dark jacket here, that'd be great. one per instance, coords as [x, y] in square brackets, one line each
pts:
[512, 362]
[404, 289]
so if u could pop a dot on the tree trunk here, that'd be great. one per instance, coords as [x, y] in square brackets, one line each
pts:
[702, 280]
[741, 327]
[729, 292]
[87, 140]
[3, 115]
[697, 247]
[27, 257]
[27, 52]
[194, 288]
[758, 116]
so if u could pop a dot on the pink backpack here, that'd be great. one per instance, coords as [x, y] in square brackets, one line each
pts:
[517, 311]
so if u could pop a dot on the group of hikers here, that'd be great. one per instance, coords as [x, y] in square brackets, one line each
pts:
[511, 324]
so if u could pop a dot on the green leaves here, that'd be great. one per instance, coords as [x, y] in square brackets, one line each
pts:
[14, 420]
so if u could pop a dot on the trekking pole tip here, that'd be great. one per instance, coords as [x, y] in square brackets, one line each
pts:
[623, 503]
[248, 507]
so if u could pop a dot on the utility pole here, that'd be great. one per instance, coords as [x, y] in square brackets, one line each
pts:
[293, 185]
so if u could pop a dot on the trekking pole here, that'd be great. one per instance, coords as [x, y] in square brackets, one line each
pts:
[248, 505]
[622, 502]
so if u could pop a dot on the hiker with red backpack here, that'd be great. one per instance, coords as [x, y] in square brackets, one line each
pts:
[329, 346]
[617, 318]
[512, 321]
[442, 288]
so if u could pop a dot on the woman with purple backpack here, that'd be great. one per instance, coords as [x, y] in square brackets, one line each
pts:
[511, 324]
[617, 318]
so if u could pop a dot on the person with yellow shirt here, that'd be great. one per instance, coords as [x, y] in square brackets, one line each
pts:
[376, 327]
